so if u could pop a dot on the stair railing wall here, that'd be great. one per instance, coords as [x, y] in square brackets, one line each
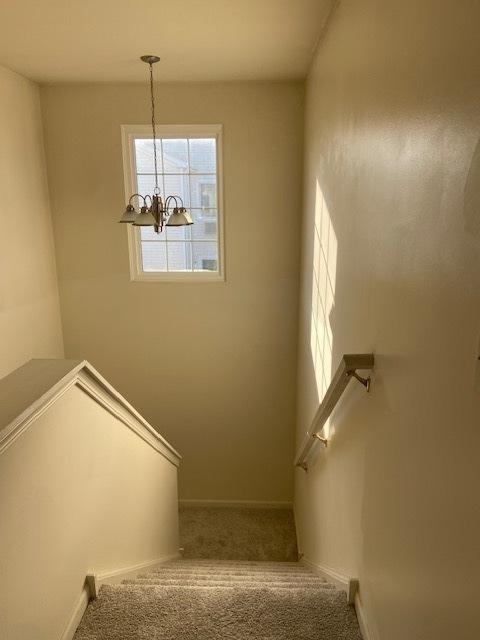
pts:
[87, 486]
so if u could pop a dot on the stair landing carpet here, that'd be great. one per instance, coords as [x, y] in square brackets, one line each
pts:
[229, 533]
[227, 600]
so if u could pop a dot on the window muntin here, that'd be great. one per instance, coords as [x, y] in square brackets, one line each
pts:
[189, 164]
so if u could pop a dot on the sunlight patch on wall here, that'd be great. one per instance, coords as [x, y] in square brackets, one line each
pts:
[323, 295]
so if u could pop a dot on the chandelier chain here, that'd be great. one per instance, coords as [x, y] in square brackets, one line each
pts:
[154, 213]
[153, 129]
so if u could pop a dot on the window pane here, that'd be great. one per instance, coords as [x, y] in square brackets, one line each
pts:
[187, 169]
[205, 256]
[146, 185]
[179, 256]
[148, 233]
[144, 156]
[175, 155]
[178, 186]
[203, 191]
[202, 155]
[204, 224]
[178, 233]
[154, 256]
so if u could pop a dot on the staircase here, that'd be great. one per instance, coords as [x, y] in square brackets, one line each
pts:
[238, 578]
[213, 599]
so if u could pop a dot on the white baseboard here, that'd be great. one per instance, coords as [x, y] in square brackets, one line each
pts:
[96, 580]
[297, 532]
[239, 504]
[340, 580]
[365, 629]
[77, 614]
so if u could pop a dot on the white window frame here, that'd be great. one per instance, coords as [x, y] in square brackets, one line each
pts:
[130, 132]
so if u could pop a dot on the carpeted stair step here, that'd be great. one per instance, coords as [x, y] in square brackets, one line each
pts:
[319, 584]
[130, 612]
[224, 571]
[231, 563]
[263, 577]
[276, 567]
[227, 575]
[182, 567]
[289, 570]
[186, 566]
[260, 577]
[232, 572]
[237, 587]
[228, 572]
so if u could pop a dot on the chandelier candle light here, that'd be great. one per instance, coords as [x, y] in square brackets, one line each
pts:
[154, 212]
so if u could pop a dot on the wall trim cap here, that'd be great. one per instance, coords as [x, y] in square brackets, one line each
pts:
[27, 392]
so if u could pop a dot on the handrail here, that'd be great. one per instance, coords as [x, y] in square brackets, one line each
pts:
[347, 369]
[32, 388]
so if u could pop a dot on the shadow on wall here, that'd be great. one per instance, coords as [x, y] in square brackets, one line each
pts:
[471, 203]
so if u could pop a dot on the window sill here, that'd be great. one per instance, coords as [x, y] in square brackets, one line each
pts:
[177, 277]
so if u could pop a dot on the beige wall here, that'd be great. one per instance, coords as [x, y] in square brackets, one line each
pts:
[29, 312]
[96, 498]
[392, 234]
[212, 365]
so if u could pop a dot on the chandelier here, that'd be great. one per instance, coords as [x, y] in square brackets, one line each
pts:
[153, 212]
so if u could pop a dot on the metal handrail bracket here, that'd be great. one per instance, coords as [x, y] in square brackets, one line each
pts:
[347, 369]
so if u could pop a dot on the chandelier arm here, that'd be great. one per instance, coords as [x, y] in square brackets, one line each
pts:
[177, 200]
[167, 202]
[137, 195]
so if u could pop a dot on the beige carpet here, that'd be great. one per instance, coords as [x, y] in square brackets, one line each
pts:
[238, 534]
[208, 600]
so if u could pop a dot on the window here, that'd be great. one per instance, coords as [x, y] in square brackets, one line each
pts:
[189, 165]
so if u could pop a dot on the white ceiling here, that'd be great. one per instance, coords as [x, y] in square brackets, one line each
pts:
[101, 40]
